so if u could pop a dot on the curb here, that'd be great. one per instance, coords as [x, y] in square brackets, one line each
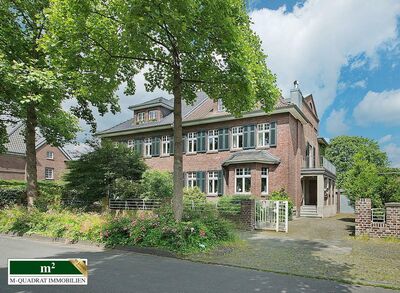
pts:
[143, 250]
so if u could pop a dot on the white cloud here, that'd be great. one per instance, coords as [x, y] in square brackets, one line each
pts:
[360, 84]
[315, 41]
[393, 152]
[358, 63]
[383, 107]
[385, 139]
[335, 123]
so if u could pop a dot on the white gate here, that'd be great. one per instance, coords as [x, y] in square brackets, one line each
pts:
[272, 215]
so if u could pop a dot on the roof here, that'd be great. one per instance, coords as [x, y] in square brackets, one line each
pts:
[251, 156]
[16, 141]
[168, 120]
[323, 141]
[160, 101]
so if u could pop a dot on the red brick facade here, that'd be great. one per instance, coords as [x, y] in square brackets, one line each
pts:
[389, 227]
[12, 167]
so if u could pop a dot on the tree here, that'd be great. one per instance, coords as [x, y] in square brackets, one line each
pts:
[367, 180]
[32, 90]
[342, 149]
[185, 46]
[92, 176]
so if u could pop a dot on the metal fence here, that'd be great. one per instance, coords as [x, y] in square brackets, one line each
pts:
[378, 215]
[134, 204]
[231, 207]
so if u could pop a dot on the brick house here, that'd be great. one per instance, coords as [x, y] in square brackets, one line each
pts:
[51, 161]
[223, 155]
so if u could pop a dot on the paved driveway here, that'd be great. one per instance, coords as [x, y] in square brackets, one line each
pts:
[324, 248]
[117, 271]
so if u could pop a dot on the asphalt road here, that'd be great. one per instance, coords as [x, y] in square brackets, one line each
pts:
[120, 271]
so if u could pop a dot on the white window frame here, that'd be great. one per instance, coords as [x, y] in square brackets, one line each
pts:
[212, 140]
[152, 113]
[191, 179]
[140, 117]
[242, 174]
[264, 175]
[147, 145]
[50, 155]
[165, 145]
[263, 130]
[131, 143]
[192, 142]
[212, 183]
[220, 106]
[237, 137]
[49, 173]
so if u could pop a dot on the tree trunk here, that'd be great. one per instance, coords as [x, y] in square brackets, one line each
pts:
[30, 138]
[177, 199]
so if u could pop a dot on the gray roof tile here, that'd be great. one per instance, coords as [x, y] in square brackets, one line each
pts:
[252, 156]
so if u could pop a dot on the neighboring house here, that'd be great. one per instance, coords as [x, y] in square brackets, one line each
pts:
[51, 161]
[255, 154]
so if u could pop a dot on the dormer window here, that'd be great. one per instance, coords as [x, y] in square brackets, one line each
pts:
[140, 117]
[220, 106]
[50, 155]
[152, 115]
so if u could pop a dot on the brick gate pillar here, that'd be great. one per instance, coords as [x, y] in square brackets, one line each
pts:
[248, 213]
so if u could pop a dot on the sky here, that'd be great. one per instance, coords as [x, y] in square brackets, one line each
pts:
[346, 53]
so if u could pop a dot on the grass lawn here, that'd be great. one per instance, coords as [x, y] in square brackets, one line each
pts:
[319, 248]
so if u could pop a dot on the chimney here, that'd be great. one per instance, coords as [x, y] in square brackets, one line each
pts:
[296, 97]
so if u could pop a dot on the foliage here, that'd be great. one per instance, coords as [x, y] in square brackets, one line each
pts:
[125, 188]
[342, 149]
[157, 184]
[71, 225]
[183, 47]
[195, 234]
[148, 230]
[282, 195]
[92, 176]
[14, 192]
[194, 195]
[367, 180]
[230, 205]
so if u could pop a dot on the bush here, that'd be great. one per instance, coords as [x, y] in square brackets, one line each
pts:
[12, 196]
[157, 184]
[229, 205]
[194, 196]
[124, 188]
[282, 195]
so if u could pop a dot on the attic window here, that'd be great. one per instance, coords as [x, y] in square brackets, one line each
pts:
[50, 155]
[152, 115]
[140, 117]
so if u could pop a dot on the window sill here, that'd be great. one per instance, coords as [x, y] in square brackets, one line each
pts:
[191, 154]
[263, 147]
[50, 159]
[236, 149]
[165, 155]
[212, 152]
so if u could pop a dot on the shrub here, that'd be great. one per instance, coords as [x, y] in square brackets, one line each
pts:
[282, 195]
[12, 196]
[157, 184]
[194, 196]
[230, 205]
[125, 188]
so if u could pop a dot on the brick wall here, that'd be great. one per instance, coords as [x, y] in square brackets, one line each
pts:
[247, 214]
[365, 225]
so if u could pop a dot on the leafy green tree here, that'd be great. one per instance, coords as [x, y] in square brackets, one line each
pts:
[31, 90]
[342, 149]
[185, 46]
[92, 176]
[157, 184]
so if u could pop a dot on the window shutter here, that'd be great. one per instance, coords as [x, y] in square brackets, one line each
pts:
[273, 134]
[223, 139]
[139, 147]
[184, 143]
[220, 182]
[248, 136]
[184, 179]
[201, 180]
[201, 142]
[171, 146]
[155, 148]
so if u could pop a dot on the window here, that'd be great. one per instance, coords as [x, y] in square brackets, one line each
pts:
[264, 180]
[166, 145]
[191, 179]
[140, 117]
[220, 106]
[237, 137]
[192, 141]
[212, 183]
[50, 155]
[49, 173]
[147, 147]
[116, 144]
[213, 140]
[263, 135]
[152, 115]
[131, 143]
[243, 180]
